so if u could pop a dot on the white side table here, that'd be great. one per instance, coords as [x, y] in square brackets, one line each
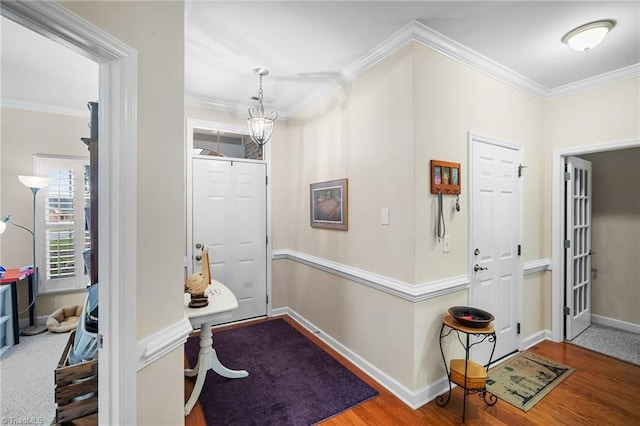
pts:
[221, 302]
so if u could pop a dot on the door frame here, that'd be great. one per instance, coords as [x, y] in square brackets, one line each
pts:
[558, 227]
[192, 123]
[474, 136]
[118, 70]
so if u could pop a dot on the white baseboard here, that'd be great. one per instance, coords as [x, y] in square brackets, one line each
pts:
[534, 339]
[615, 323]
[413, 399]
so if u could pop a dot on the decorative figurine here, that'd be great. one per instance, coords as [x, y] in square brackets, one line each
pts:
[197, 283]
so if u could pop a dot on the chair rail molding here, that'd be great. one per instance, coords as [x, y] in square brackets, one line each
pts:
[411, 292]
[160, 343]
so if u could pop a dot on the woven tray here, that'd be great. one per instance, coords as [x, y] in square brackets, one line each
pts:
[476, 374]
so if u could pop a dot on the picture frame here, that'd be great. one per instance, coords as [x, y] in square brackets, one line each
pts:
[329, 204]
[445, 177]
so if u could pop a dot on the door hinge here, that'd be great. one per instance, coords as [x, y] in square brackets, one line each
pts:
[567, 176]
[520, 167]
[267, 299]
[100, 341]
[267, 239]
[266, 180]
[518, 328]
[519, 250]
[567, 243]
[567, 310]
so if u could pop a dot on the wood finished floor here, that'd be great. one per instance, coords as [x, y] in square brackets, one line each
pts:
[602, 391]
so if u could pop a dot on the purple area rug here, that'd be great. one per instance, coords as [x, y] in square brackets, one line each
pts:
[291, 380]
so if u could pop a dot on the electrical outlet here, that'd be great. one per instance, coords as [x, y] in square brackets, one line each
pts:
[446, 246]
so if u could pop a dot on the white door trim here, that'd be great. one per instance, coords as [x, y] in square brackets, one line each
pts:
[557, 227]
[117, 388]
[471, 137]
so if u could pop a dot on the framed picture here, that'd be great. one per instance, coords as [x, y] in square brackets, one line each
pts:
[445, 177]
[329, 204]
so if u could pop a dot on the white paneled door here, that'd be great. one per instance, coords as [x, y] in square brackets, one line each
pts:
[229, 216]
[577, 246]
[496, 268]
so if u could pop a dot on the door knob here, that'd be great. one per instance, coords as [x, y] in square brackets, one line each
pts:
[476, 252]
[477, 268]
[198, 258]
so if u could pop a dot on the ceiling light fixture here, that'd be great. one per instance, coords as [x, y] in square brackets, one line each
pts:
[260, 127]
[587, 36]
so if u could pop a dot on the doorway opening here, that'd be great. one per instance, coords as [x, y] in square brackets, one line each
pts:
[559, 212]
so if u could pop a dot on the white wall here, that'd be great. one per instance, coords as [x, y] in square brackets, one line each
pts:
[156, 31]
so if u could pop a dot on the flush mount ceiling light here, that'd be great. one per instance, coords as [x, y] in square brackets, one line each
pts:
[587, 36]
[260, 127]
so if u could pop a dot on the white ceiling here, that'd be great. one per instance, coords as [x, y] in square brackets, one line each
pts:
[308, 45]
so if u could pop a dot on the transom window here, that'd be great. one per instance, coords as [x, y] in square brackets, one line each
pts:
[222, 143]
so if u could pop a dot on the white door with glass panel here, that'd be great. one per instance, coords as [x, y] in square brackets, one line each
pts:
[229, 216]
[577, 246]
[496, 268]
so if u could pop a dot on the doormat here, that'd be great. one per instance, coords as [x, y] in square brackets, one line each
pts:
[291, 380]
[525, 379]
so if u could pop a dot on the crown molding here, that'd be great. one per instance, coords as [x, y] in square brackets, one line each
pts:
[592, 82]
[224, 106]
[48, 109]
[461, 53]
[419, 33]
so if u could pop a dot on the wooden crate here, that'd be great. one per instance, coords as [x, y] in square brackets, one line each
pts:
[476, 374]
[76, 391]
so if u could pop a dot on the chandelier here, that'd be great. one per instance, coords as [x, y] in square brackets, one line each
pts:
[260, 127]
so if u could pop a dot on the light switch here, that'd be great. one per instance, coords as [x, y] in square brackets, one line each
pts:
[384, 216]
[446, 246]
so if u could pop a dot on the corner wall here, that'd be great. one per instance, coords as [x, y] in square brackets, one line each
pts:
[380, 130]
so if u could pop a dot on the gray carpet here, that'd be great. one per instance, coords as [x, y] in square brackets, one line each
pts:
[27, 379]
[616, 343]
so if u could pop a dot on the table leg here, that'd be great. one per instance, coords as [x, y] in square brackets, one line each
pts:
[207, 360]
[16, 317]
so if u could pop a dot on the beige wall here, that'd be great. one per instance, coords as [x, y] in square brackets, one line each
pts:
[380, 131]
[156, 31]
[616, 234]
[23, 134]
[604, 114]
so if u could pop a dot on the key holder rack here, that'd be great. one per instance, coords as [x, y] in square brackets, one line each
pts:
[445, 177]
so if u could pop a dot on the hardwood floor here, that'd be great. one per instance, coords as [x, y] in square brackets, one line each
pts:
[602, 391]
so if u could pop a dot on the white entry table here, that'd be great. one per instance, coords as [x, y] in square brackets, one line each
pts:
[221, 302]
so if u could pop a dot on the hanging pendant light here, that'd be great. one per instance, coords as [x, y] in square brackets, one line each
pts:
[260, 127]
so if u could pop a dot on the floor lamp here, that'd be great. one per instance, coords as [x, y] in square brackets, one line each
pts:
[35, 183]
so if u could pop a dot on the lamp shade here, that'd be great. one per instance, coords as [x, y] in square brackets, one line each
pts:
[34, 181]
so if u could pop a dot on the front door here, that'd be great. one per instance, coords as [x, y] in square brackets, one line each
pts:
[496, 269]
[577, 246]
[229, 216]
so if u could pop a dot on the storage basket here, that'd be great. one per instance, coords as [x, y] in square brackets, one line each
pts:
[76, 393]
[476, 374]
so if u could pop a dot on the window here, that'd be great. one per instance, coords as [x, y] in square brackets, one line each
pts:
[220, 143]
[62, 226]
